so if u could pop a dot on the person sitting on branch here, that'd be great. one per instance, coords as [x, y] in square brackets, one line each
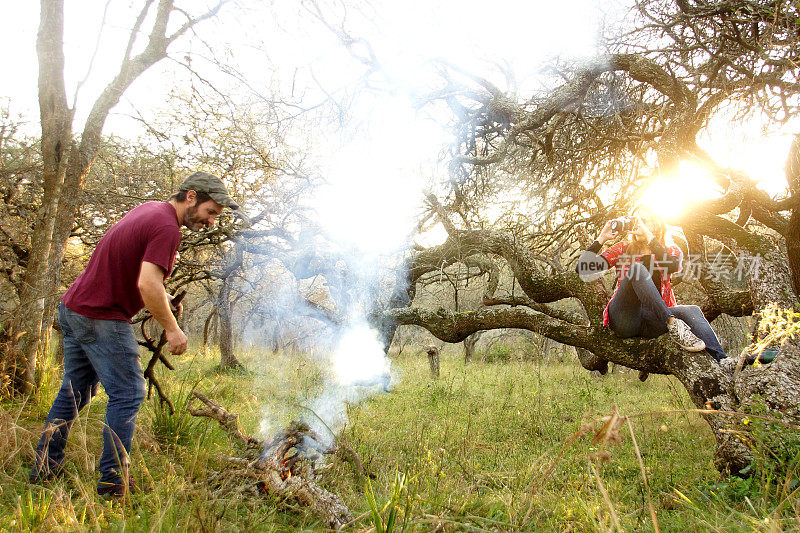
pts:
[643, 303]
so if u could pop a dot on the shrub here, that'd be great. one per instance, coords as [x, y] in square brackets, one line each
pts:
[499, 352]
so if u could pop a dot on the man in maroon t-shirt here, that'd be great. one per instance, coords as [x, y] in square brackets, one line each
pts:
[125, 273]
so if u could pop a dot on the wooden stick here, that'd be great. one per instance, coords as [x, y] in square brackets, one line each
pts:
[228, 421]
[156, 350]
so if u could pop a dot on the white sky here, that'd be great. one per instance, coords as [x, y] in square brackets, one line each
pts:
[272, 40]
[388, 151]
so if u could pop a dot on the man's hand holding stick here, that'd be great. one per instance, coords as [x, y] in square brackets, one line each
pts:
[176, 340]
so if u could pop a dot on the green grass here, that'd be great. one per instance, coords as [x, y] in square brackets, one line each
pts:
[476, 449]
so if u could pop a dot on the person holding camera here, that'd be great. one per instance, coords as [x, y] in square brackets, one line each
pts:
[643, 303]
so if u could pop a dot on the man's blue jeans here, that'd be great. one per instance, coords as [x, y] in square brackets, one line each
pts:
[638, 310]
[103, 351]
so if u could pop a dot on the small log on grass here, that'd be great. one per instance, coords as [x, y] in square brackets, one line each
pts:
[228, 421]
[276, 471]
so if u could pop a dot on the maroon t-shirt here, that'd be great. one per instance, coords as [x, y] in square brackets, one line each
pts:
[108, 288]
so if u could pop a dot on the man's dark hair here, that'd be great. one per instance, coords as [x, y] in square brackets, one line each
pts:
[180, 196]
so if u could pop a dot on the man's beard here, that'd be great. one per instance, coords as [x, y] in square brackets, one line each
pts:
[192, 221]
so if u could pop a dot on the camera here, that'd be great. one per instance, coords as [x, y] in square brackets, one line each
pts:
[619, 225]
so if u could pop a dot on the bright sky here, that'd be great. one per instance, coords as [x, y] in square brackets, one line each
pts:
[388, 150]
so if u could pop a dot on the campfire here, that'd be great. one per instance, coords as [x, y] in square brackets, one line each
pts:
[298, 451]
[287, 466]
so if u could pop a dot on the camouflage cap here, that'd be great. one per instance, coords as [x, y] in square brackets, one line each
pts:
[208, 183]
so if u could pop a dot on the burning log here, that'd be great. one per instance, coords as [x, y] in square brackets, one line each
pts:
[296, 450]
[288, 465]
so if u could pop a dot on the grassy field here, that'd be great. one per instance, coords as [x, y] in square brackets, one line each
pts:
[477, 449]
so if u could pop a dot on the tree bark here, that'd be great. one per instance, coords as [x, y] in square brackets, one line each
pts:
[792, 234]
[207, 326]
[56, 123]
[225, 309]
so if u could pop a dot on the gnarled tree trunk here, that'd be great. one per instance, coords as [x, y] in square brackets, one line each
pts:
[469, 346]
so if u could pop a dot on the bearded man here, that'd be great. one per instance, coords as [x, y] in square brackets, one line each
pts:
[125, 273]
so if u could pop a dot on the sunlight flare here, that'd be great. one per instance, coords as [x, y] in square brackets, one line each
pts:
[669, 196]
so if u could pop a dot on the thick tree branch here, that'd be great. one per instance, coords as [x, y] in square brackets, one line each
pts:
[534, 281]
[549, 310]
[725, 231]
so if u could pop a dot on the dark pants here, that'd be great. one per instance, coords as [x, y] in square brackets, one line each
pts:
[638, 310]
[103, 351]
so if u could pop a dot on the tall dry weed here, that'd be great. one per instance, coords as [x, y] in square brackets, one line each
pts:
[15, 440]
